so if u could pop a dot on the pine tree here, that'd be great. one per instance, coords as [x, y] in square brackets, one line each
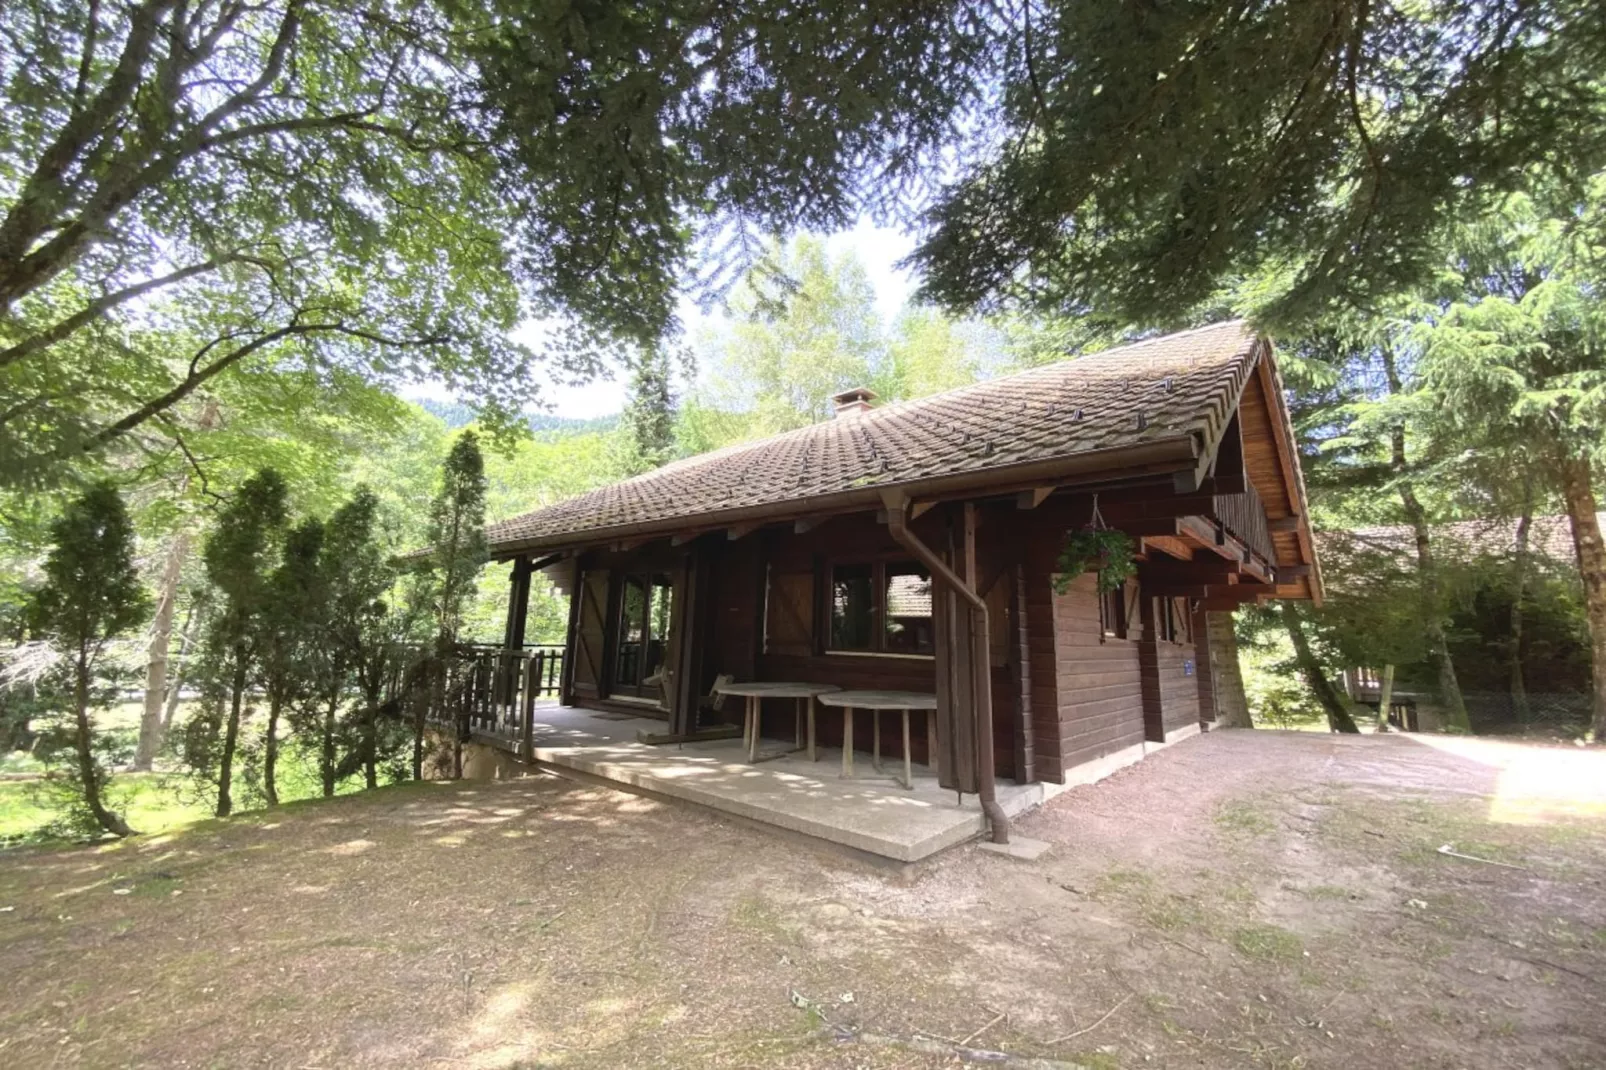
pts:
[91, 595]
[457, 542]
[1154, 152]
[1519, 361]
[292, 624]
[361, 633]
[649, 416]
[240, 554]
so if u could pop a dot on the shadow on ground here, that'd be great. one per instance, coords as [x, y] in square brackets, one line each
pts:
[1246, 899]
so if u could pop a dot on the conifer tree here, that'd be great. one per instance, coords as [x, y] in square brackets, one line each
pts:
[1517, 364]
[291, 635]
[457, 542]
[91, 595]
[240, 555]
[649, 415]
[359, 578]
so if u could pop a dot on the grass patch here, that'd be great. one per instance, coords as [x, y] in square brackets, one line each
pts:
[1244, 817]
[1329, 892]
[30, 809]
[1267, 943]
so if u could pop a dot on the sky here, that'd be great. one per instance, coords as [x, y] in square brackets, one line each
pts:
[877, 248]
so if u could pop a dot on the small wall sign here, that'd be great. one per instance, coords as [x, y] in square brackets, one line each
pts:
[1187, 667]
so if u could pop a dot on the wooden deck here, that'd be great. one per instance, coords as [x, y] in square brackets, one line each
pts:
[868, 813]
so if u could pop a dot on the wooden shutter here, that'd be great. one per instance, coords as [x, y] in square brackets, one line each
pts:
[590, 631]
[789, 613]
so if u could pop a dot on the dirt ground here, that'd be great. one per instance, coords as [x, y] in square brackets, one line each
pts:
[1248, 899]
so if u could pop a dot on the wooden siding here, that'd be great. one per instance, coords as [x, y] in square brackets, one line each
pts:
[1170, 693]
[1098, 703]
[1206, 667]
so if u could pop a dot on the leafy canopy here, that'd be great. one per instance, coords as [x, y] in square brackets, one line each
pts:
[92, 590]
[457, 534]
[1152, 153]
[384, 189]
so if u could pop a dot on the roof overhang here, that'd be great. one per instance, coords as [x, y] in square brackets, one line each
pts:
[1162, 457]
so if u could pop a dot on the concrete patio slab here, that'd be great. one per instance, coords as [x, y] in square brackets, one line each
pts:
[874, 815]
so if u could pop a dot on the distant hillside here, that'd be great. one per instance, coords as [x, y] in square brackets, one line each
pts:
[455, 414]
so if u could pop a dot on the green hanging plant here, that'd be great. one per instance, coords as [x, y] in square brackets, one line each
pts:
[1095, 549]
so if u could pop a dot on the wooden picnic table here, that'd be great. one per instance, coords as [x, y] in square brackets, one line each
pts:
[877, 701]
[756, 691]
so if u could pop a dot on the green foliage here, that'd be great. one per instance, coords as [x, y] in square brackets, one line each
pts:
[383, 192]
[1157, 153]
[92, 590]
[649, 417]
[1106, 552]
[240, 556]
[457, 535]
[91, 594]
[805, 327]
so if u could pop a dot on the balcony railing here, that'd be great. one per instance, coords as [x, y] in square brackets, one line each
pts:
[490, 691]
[1244, 517]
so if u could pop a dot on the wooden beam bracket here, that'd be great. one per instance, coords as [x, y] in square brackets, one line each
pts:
[1031, 499]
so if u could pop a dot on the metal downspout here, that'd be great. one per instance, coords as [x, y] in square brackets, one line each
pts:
[986, 785]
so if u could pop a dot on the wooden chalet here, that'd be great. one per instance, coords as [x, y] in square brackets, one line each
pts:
[913, 547]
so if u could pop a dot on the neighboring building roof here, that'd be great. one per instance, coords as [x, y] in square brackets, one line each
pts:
[1170, 389]
[1463, 540]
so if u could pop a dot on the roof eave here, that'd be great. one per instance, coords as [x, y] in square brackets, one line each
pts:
[1159, 457]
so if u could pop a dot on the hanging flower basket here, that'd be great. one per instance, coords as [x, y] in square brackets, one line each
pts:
[1096, 549]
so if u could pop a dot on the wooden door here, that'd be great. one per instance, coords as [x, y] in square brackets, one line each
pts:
[590, 632]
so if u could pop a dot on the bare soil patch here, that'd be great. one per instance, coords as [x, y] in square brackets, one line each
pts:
[1245, 899]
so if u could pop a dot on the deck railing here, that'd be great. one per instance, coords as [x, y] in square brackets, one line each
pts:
[486, 690]
[1244, 516]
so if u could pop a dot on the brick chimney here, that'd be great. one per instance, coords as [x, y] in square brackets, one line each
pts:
[852, 402]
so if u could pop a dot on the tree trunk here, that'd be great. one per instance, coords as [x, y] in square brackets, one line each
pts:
[1385, 698]
[270, 752]
[1339, 718]
[88, 771]
[151, 721]
[1577, 481]
[175, 680]
[370, 738]
[326, 750]
[1433, 623]
[420, 709]
[1232, 707]
[1519, 589]
[231, 739]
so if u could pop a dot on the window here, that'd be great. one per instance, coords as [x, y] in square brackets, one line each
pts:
[1170, 621]
[1112, 613]
[881, 608]
[852, 607]
[908, 614]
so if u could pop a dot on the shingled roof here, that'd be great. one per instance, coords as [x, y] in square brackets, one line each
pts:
[1175, 393]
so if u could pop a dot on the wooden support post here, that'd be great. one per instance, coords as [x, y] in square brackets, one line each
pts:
[532, 681]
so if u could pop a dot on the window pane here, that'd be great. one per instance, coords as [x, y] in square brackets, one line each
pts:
[908, 609]
[632, 630]
[658, 626]
[852, 591]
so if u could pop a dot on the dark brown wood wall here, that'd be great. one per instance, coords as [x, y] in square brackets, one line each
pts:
[736, 622]
[1100, 679]
[1170, 694]
[1205, 667]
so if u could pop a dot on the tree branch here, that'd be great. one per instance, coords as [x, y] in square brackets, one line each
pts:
[95, 309]
[200, 374]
